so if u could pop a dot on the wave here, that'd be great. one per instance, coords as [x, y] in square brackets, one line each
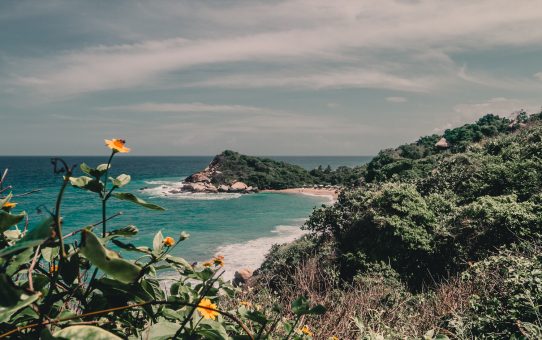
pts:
[251, 254]
[170, 190]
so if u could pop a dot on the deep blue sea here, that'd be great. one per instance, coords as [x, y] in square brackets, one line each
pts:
[240, 227]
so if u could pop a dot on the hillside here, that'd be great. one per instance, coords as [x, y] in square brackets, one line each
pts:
[265, 173]
[438, 240]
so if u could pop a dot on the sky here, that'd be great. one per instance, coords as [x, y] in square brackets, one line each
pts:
[300, 77]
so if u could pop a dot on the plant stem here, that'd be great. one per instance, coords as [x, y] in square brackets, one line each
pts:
[105, 196]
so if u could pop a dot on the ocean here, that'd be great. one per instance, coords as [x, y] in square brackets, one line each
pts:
[240, 227]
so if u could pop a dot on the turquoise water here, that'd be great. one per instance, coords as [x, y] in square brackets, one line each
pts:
[240, 227]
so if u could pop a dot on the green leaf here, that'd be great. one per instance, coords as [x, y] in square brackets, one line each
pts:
[158, 242]
[18, 260]
[126, 196]
[163, 330]
[211, 329]
[131, 247]
[121, 180]
[129, 230]
[25, 300]
[33, 238]
[178, 261]
[98, 172]
[107, 260]
[9, 293]
[87, 183]
[256, 317]
[317, 310]
[7, 220]
[300, 305]
[82, 332]
[49, 253]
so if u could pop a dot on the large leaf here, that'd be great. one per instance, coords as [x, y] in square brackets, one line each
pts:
[18, 260]
[163, 330]
[9, 293]
[121, 180]
[25, 300]
[107, 260]
[131, 247]
[7, 220]
[126, 196]
[34, 237]
[87, 183]
[98, 172]
[81, 332]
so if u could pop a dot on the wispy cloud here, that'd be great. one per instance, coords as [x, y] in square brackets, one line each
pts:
[184, 107]
[396, 99]
[350, 34]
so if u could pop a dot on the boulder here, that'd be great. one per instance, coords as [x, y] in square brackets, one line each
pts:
[195, 187]
[199, 177]
[223, 188]
[241, 277]
[238, 186]
[211, 188]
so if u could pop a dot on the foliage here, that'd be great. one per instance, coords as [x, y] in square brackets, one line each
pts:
[265, 173]
[54, 286]
[425, 216]
[508, 300]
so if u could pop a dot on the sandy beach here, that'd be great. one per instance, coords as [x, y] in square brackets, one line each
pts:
[333, 194]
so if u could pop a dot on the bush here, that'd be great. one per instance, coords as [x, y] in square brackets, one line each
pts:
[507, 300]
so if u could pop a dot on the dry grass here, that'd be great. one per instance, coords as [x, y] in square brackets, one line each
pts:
[379, 306]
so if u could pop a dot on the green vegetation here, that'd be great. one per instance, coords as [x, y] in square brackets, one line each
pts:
[265, 173]
[74, 286]
[443, 242]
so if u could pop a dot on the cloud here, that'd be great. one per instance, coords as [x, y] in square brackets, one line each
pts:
[348, 78]
[538, 75]
[396, 99]
[341, 35]
[184, 107]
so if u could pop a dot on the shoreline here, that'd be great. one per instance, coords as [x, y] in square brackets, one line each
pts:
[332, 194]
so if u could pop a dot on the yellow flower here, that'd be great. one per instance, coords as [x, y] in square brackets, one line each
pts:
[334, 338]
[245, 303]
[206, 264]
[306, 330]
[117, 145]
[207, 313]
[53, 268]
[9, 205]
[219, 261]
[169, 241]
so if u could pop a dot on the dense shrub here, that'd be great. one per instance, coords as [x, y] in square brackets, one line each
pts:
[507, 300]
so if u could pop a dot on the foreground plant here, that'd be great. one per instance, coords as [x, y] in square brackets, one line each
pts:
[68, 286]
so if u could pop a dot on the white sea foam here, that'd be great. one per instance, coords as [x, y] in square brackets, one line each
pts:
[171, 190]
[252, 253]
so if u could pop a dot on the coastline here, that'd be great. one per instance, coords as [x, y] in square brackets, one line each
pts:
[331, 194]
